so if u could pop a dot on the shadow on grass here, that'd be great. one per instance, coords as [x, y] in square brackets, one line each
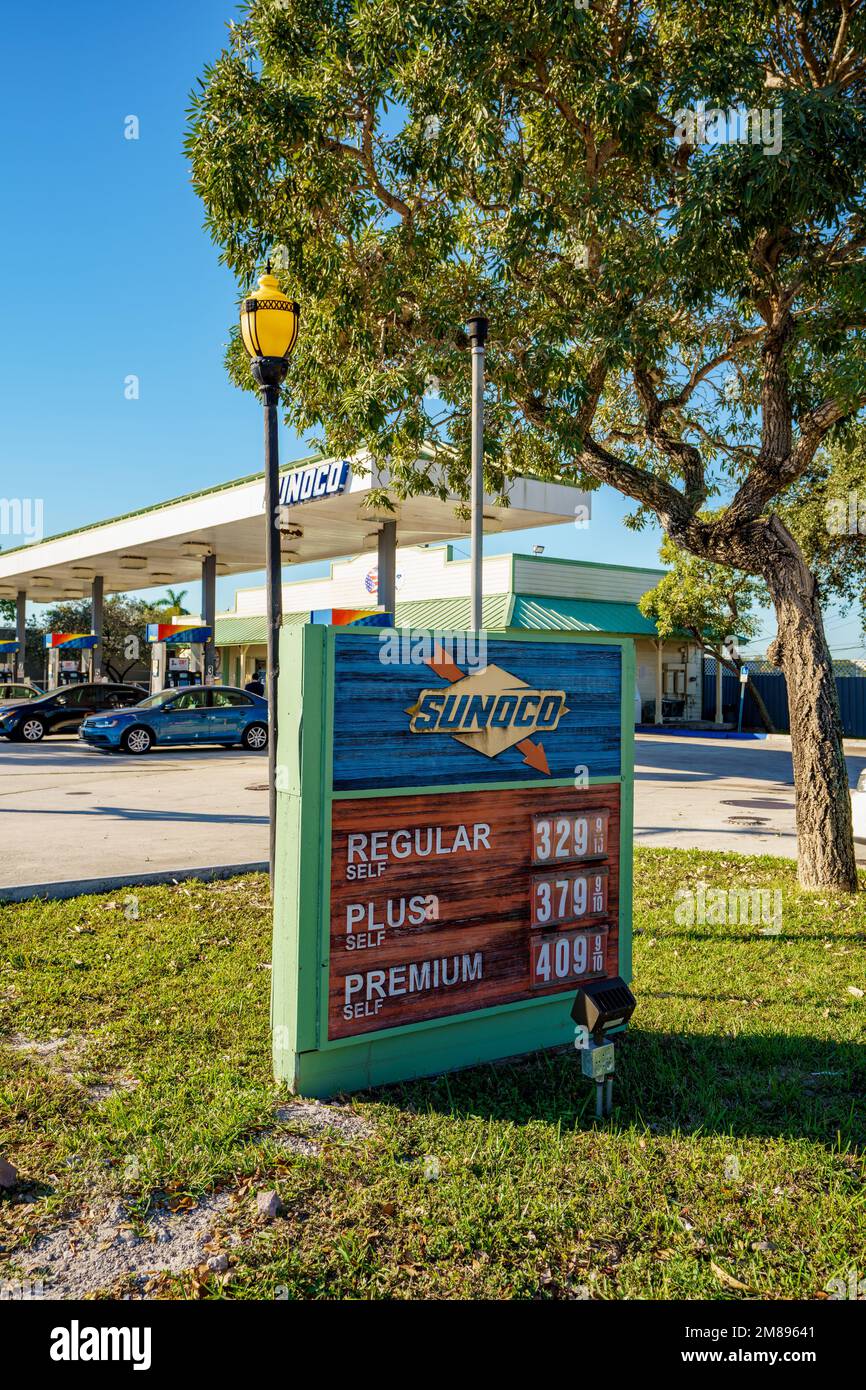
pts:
[748, 1086]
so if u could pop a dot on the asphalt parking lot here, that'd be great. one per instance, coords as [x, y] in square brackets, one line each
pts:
[726, 794]
[70, 813]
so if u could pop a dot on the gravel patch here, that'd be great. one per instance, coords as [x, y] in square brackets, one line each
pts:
[316, 1118]
[92, 1253]
[65, 1056]
[45, 1051]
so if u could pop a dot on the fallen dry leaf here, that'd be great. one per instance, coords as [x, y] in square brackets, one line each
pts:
[728, 1279]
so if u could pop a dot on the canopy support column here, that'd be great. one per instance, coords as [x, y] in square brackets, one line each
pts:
[97, 589]
[208, 616]
[20, 633]
[387, 567]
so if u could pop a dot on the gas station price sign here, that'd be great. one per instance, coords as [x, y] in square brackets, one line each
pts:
[445, 877]
[568, 895]
[564, 836]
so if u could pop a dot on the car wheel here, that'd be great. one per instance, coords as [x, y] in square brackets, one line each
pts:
[137, 740]
[255, 737]
[32, 730]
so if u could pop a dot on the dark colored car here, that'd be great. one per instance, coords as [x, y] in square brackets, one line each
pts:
[61, 711]
[18, 690]
[199, 714]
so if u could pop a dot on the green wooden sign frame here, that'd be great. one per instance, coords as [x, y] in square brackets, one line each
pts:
[303, 1055]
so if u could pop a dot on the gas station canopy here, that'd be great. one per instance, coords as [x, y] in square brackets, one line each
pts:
[326, 514]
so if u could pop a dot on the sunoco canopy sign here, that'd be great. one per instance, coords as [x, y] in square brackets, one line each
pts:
[314, 480]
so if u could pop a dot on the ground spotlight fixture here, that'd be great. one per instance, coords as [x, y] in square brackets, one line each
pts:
[269, 331]
[600, 1007]
[538, 550]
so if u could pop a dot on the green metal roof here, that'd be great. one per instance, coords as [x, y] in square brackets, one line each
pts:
[543, 614]
[530, 612]
[240, 632]
[452, 614]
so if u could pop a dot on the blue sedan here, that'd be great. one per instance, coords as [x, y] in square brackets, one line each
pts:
[199, 714]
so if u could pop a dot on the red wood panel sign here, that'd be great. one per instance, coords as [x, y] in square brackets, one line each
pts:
[446, 904]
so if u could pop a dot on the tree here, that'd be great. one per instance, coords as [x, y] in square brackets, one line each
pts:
[826, 511]
[713, 603]
[659, 205]
[123, 628]
[8, 610]
[173, 603]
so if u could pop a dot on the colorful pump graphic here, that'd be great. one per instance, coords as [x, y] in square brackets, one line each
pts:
[63, 665]
[70, 641]
[177, 669]
[177, 634]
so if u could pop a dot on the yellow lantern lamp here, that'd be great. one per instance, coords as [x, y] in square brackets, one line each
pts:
[269, 320]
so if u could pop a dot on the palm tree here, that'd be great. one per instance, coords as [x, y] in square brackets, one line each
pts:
[173, 603]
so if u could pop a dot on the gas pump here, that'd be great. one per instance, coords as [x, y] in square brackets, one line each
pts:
[8, 649]
[177, 656]
[68, 660]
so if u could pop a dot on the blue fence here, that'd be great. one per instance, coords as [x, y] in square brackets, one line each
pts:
[774, 692]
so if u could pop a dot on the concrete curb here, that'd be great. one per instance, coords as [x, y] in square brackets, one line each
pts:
[77, 887]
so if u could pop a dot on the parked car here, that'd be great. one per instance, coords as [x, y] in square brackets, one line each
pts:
[858, 807]
[61, 711]
[199, 714]
[17, 690]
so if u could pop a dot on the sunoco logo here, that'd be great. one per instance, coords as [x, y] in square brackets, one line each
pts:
[489, 711]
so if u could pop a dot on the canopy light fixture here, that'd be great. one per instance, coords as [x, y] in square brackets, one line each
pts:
[200, 548]
[133, 562]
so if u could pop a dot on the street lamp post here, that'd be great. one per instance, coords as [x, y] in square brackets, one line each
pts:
[269, 329]
[476, 329]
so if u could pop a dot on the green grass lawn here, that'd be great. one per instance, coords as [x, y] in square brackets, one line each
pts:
[731, 1168]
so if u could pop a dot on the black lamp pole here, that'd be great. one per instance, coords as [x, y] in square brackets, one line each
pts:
[269, 373]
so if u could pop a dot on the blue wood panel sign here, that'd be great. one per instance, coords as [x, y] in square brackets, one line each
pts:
[409, 712]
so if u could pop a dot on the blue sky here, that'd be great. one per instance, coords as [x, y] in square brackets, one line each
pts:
[106, 263]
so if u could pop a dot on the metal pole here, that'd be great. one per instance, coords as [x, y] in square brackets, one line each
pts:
[608, 1096]
[208, 616]
[599, 1099]
[21, 633]
[96, 596]
[387, 566]
[477, 330]
[273, 566]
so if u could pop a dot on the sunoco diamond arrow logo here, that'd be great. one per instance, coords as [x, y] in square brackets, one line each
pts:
[489, 711]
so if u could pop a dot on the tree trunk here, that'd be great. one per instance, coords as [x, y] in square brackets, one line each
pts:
[823, 799]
